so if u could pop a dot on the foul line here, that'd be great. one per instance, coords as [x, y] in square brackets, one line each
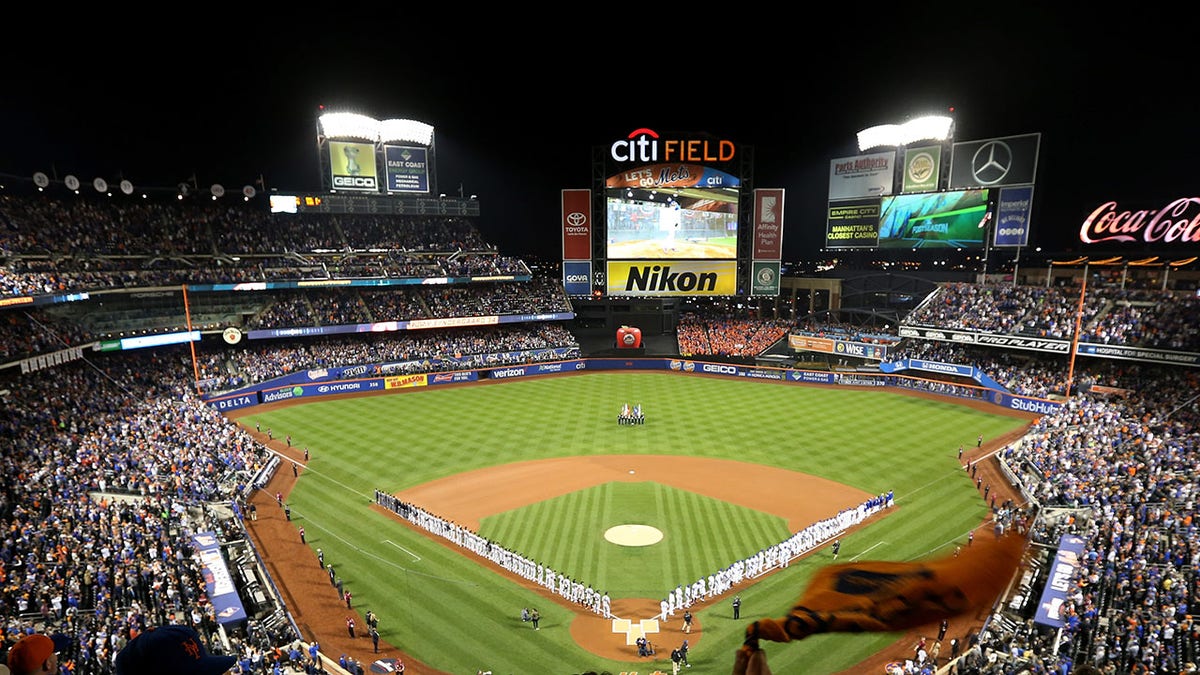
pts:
[415, 557]
[877, 545]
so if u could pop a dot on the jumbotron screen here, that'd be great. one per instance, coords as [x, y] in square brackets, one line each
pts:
[938, 219]
[673, 224]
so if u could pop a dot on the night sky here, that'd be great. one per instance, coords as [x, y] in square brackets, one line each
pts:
[518, 113]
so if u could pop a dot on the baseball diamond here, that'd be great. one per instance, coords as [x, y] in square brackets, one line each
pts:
[529, 444]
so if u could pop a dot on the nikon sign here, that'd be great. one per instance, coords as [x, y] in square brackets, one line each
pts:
[650, 278]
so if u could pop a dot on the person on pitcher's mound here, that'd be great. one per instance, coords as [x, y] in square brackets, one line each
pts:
[886, 596]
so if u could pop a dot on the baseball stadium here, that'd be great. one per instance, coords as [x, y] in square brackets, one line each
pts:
[339, 431]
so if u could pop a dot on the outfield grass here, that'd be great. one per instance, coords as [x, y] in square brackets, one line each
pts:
[458, 616]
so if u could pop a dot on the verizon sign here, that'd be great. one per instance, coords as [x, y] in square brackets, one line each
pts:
[1176, 223]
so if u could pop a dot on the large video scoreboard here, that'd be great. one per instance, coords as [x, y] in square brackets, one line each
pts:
[672, 216]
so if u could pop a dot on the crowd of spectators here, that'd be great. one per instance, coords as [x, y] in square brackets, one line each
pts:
[111, 463]
[1128, 460]
[404, 352]
[1023, 373]
[56, 245]
[108, 470]
[727, 334]
[1109, 315]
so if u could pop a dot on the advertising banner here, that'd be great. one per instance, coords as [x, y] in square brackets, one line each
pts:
[406, 168]
[406, 381]
[922, 166]
[1012, 219]
[852, 224]
[1060, 581]
[761, 374]
[988, 339]
[859, 380]
[1138, 354]
[651, 278]
[1026, 404]
[764, 277]
[348, 387]
[945, 368]
[768, 224]
[508, 373]
[451, 378]
[994, 162]
[234, 402]
[218, 582]
[810, 376]
[660, 176]
[577, 277]
[352, 166]
[862, 176]
[577, 224]
[860, 350]
[810, 344]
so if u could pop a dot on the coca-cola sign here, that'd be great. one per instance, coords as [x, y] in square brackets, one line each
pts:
[1175, 223]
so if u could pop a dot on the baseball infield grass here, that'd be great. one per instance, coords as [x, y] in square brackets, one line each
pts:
[459, 616]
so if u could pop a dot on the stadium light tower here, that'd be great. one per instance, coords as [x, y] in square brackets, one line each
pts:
[928, 128]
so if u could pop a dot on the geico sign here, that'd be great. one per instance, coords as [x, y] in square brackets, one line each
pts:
[365, 182]
[719, 369]
[644, 145]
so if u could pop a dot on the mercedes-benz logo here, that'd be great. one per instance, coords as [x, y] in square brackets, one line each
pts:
[991, 162]
[576, 218]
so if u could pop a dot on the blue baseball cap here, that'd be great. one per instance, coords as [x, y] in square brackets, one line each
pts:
[170, 649]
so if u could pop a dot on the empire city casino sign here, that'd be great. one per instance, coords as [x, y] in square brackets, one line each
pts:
[645, 146]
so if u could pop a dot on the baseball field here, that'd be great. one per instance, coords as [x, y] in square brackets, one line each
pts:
[722, 468]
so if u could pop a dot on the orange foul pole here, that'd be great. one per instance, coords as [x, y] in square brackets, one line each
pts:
[1075, 339]
[187, 314]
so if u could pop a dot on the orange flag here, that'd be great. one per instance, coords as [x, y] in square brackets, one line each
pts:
[893, 596]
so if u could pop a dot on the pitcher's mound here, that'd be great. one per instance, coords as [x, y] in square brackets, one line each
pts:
[633, 535]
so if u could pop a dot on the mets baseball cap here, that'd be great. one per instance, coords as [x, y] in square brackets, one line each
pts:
[170, 649]
[31, 651]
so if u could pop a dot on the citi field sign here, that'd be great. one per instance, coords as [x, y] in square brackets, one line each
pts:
[644, 146]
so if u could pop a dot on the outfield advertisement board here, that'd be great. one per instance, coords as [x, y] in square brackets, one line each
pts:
[235, 401]
[810, 376]
[406, 381]
[451, 378]
[273, 394]
[862, 350]
[537, 369]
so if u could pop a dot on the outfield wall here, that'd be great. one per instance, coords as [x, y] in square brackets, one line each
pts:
[326, 382]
